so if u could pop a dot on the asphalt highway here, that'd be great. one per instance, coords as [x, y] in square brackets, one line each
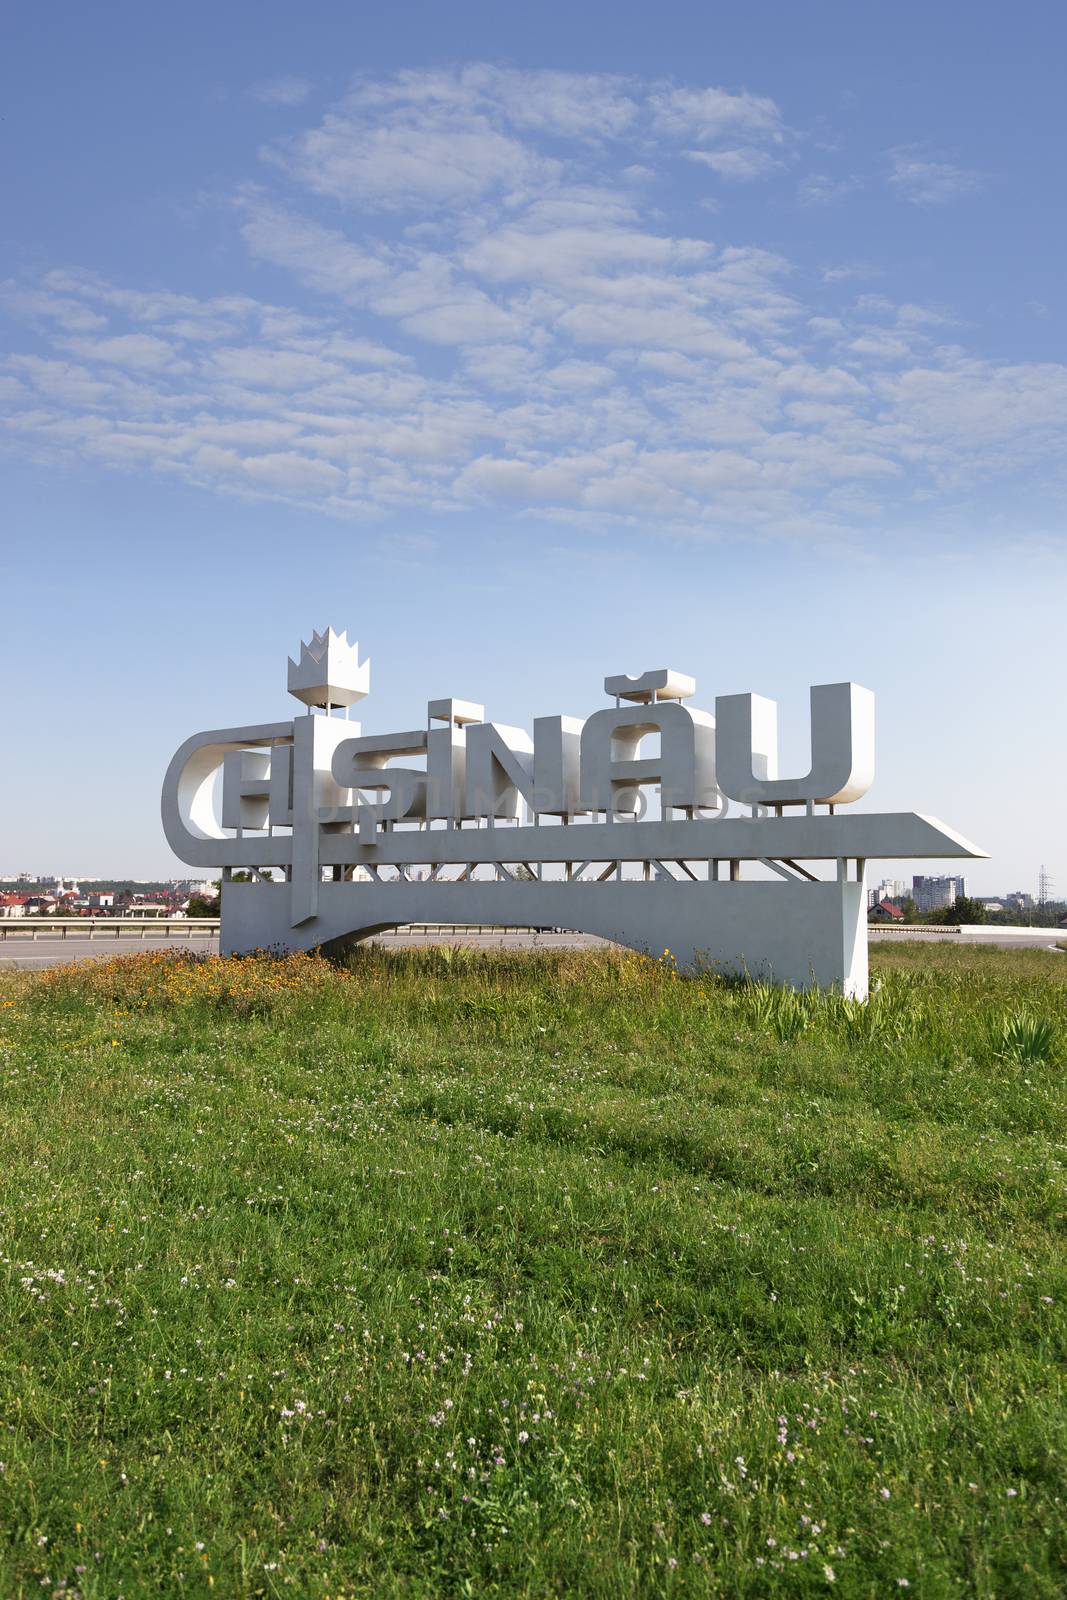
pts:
[51, 950]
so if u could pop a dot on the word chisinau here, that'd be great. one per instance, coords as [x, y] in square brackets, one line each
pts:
[335, 832]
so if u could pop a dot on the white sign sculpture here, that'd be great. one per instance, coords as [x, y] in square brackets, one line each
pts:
[335, 833]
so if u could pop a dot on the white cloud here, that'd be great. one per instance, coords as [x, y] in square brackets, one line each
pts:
[143, 351]
[842, 273]
[512, 319]
[291, 471]
[285, 91]
[432, 160]
[62, 381]
[706, 114]
[318, 256]
[739, 165]
[578, 255]
[562, 104]
[445, 138]
[470, 318]
[522, 481]
[579, 376]
[44, 306]
[273, 369]
[673, 364]
[913, 316]
[917, 177]
[501, 366]
[880, 344]
[1018, 412]
[817, 189]
[824, 383]
[597, 323]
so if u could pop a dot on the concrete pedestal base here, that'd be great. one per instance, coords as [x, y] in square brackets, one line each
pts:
[796, 934]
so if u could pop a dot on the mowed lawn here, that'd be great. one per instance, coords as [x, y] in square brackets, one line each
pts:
[531, 1275]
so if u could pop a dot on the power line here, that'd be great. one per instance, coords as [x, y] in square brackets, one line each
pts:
[1044, 886]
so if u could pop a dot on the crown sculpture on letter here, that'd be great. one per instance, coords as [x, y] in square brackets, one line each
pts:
[329, 672]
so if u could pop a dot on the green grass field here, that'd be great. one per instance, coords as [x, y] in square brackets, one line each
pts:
[531, 1275]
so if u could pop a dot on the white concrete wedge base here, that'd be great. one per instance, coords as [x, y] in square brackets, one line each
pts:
[644, 823]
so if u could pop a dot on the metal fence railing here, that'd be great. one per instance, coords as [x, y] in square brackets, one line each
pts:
[127, 929]
[34, 928]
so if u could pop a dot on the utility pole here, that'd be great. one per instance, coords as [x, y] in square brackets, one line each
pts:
[1044, 886]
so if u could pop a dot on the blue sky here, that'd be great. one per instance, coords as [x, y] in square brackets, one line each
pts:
[531, 344]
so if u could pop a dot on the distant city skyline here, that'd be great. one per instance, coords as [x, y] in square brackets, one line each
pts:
[531, 346]
[877, 887]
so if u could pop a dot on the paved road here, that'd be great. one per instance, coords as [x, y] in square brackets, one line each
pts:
[50, 950]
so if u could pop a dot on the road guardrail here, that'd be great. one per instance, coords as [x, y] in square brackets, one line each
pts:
[33, 928]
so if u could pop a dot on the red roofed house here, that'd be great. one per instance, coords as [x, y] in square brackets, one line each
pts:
[43, 903]
[886, 911]
[12, 905]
